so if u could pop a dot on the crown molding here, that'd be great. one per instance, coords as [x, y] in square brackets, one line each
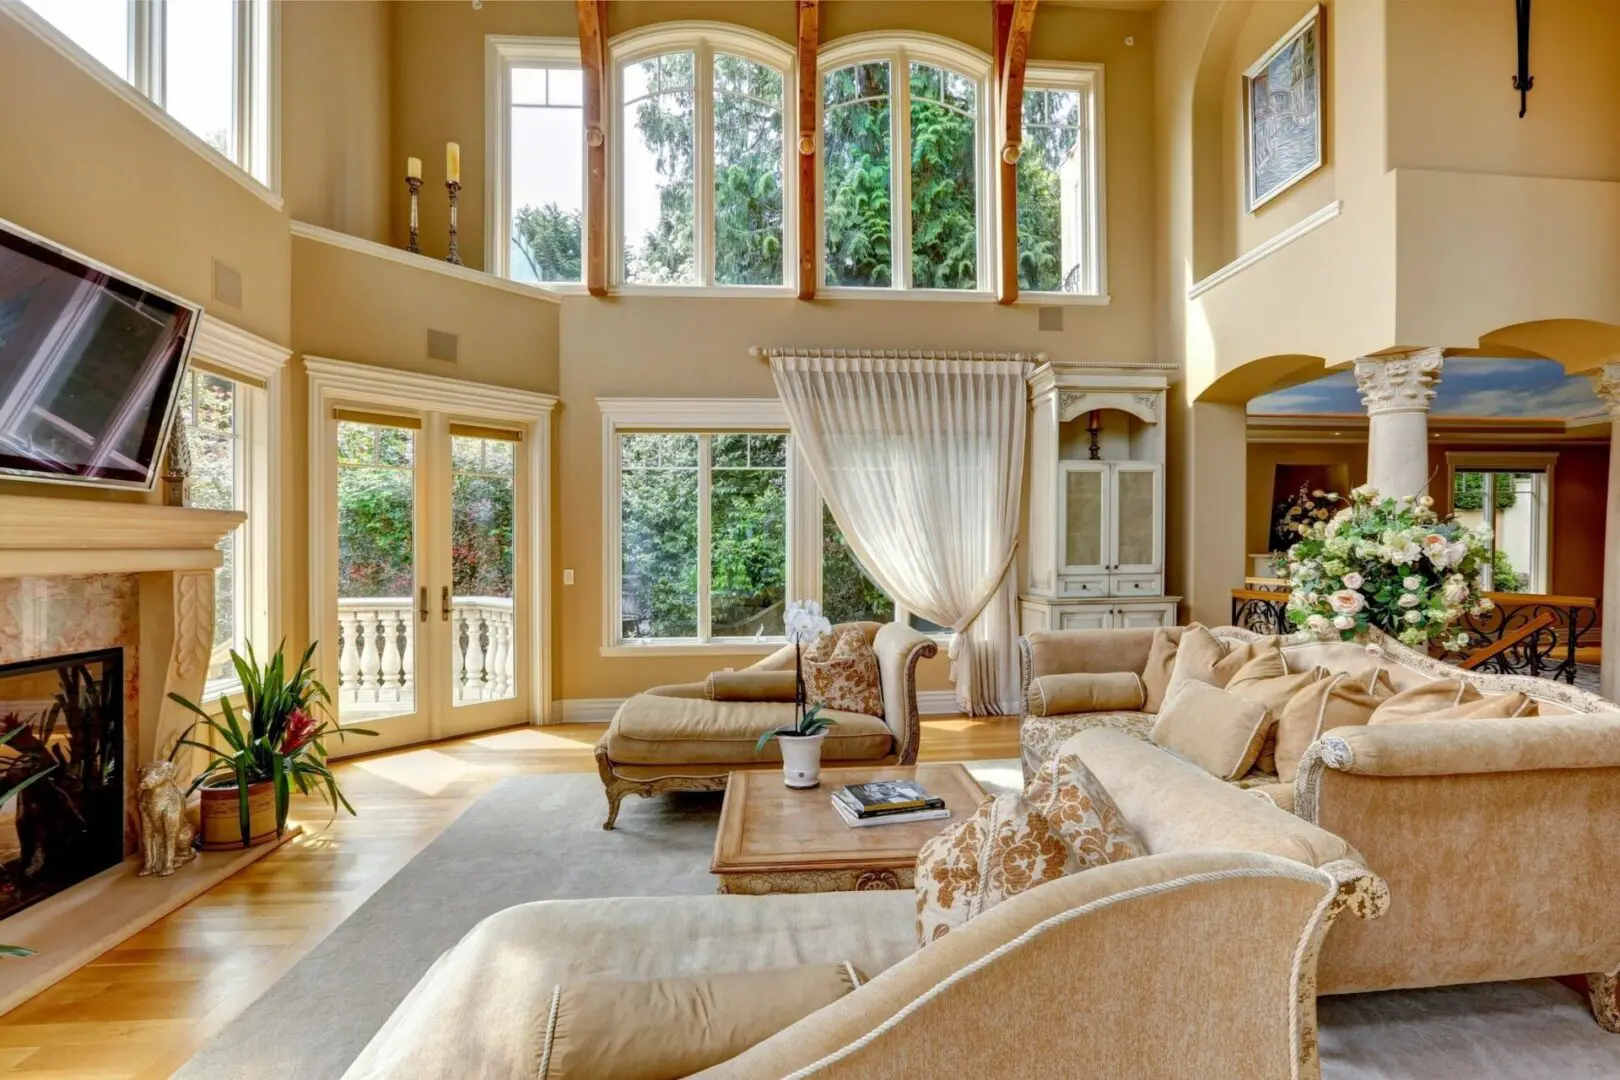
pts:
[305, 231]
[1267, 247]
[762, 352]
[332, 379]
[237, 349]
[691, 414]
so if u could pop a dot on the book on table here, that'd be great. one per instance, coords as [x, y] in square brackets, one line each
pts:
[887, 802]
[892, 817]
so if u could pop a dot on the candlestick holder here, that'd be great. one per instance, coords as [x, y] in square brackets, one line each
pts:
[415, 184]
[454, 258]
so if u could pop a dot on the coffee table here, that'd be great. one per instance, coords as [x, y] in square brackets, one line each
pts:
[775, 839]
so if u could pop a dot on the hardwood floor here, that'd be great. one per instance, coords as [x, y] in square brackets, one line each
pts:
[143, 1008]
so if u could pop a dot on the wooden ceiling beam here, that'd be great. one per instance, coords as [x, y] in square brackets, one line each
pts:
[809, 41]
[593, 63]
[1013, 21]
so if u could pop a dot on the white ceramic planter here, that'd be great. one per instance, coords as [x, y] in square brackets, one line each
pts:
[801, 759]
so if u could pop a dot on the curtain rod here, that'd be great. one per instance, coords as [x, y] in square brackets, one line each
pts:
[766, 353]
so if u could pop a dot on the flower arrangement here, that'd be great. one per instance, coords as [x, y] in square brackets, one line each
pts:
[1293, 519]
[803, 623]
[1389, 563]
[277, 738]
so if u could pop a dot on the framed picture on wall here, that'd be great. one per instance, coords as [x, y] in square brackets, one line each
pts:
[1282, 112]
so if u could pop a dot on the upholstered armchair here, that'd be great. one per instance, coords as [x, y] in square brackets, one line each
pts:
[680, 738]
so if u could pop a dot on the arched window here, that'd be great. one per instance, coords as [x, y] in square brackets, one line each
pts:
[905, 164]
[703, 177]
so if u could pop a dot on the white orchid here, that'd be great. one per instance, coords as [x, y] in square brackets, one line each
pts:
[803, 622]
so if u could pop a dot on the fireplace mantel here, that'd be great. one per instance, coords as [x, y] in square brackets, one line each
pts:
[45, 536]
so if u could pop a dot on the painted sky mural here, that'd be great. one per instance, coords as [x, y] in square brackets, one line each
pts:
[1470, 386]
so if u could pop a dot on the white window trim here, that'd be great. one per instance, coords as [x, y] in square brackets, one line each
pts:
[262, 140]
[502, 53]
[1088, 79]
[259, 417]
[703, 39]
[900, 50]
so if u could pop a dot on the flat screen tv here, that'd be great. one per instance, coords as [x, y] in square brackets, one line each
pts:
[90, 363]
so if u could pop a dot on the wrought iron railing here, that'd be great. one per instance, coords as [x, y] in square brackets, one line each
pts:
[1549, 650]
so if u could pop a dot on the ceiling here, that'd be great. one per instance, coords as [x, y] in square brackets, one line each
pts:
[1469, 386]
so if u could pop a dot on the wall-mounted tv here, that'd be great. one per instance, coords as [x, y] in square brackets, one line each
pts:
[90, 362]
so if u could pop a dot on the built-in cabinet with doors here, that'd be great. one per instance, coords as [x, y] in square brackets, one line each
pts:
[1096, 512]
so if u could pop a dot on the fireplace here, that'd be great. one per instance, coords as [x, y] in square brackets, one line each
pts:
[62, 729]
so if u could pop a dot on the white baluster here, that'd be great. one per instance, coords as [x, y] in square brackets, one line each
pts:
[393, 663]
[458, 652]
[348, 658]
[367, 627]
[477, 678]
[500, 651]
[405, 641]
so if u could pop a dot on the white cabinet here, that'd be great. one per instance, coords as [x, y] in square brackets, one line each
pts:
[1110, 521]
[1039, 613]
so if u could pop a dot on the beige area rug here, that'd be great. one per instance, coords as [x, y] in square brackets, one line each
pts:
[540, 837]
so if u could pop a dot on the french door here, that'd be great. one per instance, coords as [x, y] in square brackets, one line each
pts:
[425, 600]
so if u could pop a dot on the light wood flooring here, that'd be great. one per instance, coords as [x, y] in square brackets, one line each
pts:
[142, 1009]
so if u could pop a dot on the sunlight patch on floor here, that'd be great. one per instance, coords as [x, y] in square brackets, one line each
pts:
[426, 771]
[953, 725]
[534, 739]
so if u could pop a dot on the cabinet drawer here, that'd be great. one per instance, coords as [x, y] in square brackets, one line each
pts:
[1084, 586]
[1136, 585]
[1085, 618]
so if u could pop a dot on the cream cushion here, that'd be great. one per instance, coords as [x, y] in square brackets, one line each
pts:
[750, 686]
[1216, 730]
[651, 730]
[1425, 698]
[841, 672]
[1486, 707]
[1161, 662]
[1057, 695]
[1266, 679]
[1340, 700]
[1202, 657]
[1003, 848]
[666, 1029]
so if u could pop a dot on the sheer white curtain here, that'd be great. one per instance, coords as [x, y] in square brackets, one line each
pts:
[921, 460]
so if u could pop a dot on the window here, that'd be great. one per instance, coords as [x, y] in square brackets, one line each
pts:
[703, 173]
[537, 160]
[1511, 494]
[848, 594]
[905, 159]
[1059, 223]
[204, 62]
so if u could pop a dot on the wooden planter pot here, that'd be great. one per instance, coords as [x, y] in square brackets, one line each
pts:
[222, 816]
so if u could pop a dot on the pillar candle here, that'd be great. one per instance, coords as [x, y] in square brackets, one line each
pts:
[452, 162]
[413, 168]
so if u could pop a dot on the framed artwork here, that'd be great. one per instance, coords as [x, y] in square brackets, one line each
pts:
[1282, 112]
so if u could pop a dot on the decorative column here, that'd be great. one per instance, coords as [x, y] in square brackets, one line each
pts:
[1608, 388]
[1397, 389]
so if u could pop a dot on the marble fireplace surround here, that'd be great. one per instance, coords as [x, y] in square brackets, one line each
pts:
[83, 574]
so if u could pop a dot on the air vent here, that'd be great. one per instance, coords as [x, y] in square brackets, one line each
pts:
[1051, 317]
[442, 345]
[227, 285]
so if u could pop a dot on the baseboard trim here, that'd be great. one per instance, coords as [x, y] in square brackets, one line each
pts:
[601, 710]
[937, 702]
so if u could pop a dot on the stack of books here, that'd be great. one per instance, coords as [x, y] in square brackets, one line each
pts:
[886, 802]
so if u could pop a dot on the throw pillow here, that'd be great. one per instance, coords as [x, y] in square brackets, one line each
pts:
[1266, 679]
[749, 686]
[1217, 731]
[1487, 707]
[841, 672]
[1161, 662]
[1424, 699]
[1339, 700]
[1202, 657]
[664, 1029]
[1002, 849]
[1059, 695]
[1083, 813]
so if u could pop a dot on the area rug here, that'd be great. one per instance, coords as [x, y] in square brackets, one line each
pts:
[540, 837]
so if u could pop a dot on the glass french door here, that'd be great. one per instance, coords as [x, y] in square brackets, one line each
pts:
[425, 567]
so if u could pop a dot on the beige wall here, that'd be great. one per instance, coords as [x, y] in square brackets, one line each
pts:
[337, 170]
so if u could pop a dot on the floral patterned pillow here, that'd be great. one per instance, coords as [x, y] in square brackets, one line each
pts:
[841, 672]
[1082, 813]
[1005, 848]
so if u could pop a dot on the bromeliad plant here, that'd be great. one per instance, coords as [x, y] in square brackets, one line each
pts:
[803, 623]
[1389, 563]
[13, 728]
[276, 737]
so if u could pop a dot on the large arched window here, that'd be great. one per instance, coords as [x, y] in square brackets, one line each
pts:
[703, 179]
[905, 164]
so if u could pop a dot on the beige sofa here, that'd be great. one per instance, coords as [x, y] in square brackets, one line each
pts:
[1496, 837]
[672, 738]
[1153, 967]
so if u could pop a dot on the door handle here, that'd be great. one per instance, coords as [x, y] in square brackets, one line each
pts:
[422, 602]
[444, 603]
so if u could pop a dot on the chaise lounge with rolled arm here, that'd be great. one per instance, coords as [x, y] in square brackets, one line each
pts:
[1495, 836]
[677, 738]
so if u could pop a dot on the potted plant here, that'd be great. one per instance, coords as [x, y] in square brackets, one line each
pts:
[14, 727]
[275, 743]
[801, 743]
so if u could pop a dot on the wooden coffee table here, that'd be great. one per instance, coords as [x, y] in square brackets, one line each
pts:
[774, 839]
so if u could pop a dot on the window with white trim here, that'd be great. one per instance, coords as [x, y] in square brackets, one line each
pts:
[703, 176]
[1059, 182]
[905, 138]
[204, 62]
[536, 166]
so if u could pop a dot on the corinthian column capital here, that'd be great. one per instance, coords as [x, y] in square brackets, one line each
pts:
[1399, 382]
[1606, 379]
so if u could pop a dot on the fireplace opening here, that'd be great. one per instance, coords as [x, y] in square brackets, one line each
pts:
[62, 722]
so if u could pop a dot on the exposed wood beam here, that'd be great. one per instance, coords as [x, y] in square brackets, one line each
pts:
[1013, 21]
[593, 63]
[809, 40]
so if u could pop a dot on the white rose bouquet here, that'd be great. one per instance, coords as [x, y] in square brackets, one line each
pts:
[1388, 563]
